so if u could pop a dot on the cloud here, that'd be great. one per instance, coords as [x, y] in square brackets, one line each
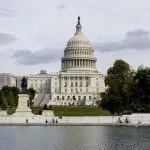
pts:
[6, 38]
[137, 40]
[7, 13]
[43, 56]
[62, 6]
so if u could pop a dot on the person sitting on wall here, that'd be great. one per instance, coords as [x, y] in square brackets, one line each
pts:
[26, 120]
[119, 120]
[127, 121]
[46, 121]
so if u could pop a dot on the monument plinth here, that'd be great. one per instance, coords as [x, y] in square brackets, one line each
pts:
[23, 109]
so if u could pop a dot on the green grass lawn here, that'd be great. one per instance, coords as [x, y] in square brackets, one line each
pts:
[36, 110]
[80, 111]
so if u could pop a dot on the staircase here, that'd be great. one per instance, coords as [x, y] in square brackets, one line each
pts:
[38, 99]
[44, 101]
[41, 100]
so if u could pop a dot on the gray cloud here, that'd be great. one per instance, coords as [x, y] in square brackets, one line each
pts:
[6, 38]
[7, 12]
[44, 56]
[137, 40]
[62, 6]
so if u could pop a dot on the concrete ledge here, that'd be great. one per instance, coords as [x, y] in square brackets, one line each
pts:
[73, 124]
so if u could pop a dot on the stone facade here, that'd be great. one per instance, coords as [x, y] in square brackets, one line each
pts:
[78, 82]
[7, 79]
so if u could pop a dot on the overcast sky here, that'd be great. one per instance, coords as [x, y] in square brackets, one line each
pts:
[34, 33]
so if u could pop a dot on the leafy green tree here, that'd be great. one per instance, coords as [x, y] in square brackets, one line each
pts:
[142, 80]
[10, 100]
[114, 98]
[31, 92]
[3, 101]
[15, 91]
[5, 90]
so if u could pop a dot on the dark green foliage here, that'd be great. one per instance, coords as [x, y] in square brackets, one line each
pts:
[10, 97]
[142, 80]
[40, 112]
[5, 90]
[127, 91]
[15, 91]
[3, 101]
[10, 100]
[115, 98]
[31, 92]
[45, 107]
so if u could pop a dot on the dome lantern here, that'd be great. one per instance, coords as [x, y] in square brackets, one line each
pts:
[78, 27]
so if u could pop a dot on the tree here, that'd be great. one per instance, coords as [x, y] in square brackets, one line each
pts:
[31, 92]
[15, 91]
[115, 98]
[10, 100]
[5, 90]
[3, 101]
[142, 80]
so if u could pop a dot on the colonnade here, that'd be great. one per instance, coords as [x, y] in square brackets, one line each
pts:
[73, 63]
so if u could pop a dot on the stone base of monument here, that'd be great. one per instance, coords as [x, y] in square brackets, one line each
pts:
[23, 109]
[47, 113]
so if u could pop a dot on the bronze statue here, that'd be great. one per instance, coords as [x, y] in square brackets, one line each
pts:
[24, 85]
[78, 20]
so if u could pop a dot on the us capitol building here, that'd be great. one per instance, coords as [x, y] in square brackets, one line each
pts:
[77, 83]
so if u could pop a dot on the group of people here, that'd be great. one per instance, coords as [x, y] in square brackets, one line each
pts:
[125, 121]
[54, 121]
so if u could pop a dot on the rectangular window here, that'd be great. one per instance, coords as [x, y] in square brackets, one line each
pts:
[87, 84]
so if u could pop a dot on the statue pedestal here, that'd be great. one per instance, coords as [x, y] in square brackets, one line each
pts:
[23, 109]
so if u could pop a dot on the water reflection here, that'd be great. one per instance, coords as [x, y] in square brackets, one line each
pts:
[75, 138]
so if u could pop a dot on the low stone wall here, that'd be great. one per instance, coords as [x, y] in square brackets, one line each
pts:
[18, 119]
[97, 120]
[88, 119]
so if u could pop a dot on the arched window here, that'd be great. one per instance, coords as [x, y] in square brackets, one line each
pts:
[90, 97]
[57, 97]
[71, 84]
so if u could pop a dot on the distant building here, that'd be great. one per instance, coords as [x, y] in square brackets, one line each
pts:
[7, 79]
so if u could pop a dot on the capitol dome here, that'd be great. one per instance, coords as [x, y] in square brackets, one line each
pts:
[78, 54]
[79, 38]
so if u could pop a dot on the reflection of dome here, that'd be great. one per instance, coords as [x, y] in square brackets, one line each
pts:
[79, 54]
